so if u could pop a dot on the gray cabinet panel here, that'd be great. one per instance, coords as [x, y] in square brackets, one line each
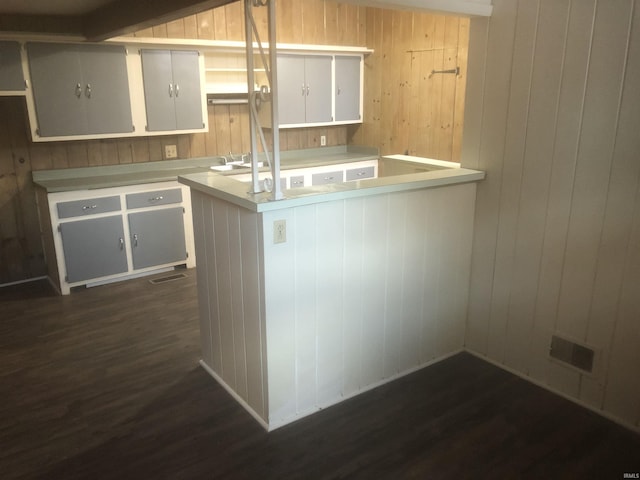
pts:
[11, 76]
[359, 173]
[157, 237]
[318, 77]
[93, 248]
[91, 206]
[104, 72]
[187, 94]
[291, 89]
[326, 178]
[347, 88]
[157, 197]
[172, 94]
[158, 90]
[58, 89]
[80, 89]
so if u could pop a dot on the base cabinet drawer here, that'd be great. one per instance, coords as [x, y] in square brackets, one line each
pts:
[91, 206]
[325, 178]
[155, 198]
[93, 248]
[360, 173]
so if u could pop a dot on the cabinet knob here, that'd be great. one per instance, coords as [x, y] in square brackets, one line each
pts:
[88, 91]
[177, 89]
[171, 90]
[78, 90]
[156, 199]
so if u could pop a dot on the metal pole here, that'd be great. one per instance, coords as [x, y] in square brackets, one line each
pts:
[275, 128]
[255, 181]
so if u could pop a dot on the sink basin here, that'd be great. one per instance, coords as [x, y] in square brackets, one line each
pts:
[233, 166]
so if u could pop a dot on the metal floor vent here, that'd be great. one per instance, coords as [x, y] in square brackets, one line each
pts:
[168, 278]
[574, 354]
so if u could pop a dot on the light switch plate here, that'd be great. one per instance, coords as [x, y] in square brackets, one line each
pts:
[279, 231]
[170, 151]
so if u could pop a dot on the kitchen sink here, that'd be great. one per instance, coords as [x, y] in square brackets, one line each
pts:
[233, 166]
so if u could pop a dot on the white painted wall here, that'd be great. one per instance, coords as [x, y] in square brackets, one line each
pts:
[553, 117]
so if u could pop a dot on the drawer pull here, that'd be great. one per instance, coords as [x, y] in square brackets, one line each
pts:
[361, 174]
[87, 207]
[297, 182]
[328, 178]
[156, 199]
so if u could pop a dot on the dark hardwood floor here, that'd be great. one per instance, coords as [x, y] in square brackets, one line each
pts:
[105, 384]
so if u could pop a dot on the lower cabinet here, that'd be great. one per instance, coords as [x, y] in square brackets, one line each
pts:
[108, 234]
[157, 237]
[93, 248]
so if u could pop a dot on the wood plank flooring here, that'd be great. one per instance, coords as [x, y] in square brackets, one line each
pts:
[105, 384]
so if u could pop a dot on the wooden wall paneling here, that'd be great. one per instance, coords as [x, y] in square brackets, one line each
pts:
[421, 42]
[219, 23]
[190, 26]
[538, 156]
[306, 278]
[48, 245]
[330, 250]
[462, 55]
[183, 144]
[493, 128]
[387, 87]
[234, 16]
[175, 29]
[565, 156]
[210, 136]
[252, 279]
[354, 295]
[331, 22]
[94, 153]
[515, 139]
[160, 31]
[40, 156]
[313, 22]
[289, 21]
[348, 21]
[77, 154]
[235, 129]
[237, 302]
[402, 23]
[125, 152]
[595, 150]
[205, 25]
[147, 32]
[222, 129]
[445, 126]
[198, 144]
[617, 246]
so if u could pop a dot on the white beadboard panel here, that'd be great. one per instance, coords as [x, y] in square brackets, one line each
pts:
[490, 138]
[536, 173]
[515, 141]
[230, 298]
[198, 211]
[251, 260]
[615, 239]
[345, 294]
[555, 245]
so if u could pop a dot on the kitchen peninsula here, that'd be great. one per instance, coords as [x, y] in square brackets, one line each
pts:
[334, 290]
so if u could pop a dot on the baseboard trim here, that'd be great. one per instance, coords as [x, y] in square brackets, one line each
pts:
[602, 413]
[20, 282]
[236, 397]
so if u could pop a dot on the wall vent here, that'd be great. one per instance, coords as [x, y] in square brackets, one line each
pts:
[571, 353]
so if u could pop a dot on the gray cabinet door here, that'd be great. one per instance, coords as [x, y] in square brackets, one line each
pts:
[93, 248]
[347, 88]
[172, 94]
[318, 100]
[11, 77]
[187, 94]
[157, 77]
[157, 237]
[80, 89]
[292, 89]
[56, 77]
[106, 84]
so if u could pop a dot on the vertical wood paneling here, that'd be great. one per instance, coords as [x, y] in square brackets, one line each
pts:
[556, 238]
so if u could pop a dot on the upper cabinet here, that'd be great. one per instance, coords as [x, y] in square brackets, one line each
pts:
[173, 98]
[316, 89]
[80, 89]
[304, 89]
[11, 76]
[347, 90]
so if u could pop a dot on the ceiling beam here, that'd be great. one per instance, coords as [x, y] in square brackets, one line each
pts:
[42, 24]
[122, 17]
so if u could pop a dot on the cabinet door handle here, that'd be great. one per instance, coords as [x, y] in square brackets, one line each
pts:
[88, 91]
[307, 90]
[171, 90]
[89, 207]
[135, 239]
[78, 90]
[303, 89]
[177, 88]
[121, 243]
[156, 199]
[339, 90]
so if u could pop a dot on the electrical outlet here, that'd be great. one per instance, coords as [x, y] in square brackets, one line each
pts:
[279, 231]
[170, 151]
[323, 140]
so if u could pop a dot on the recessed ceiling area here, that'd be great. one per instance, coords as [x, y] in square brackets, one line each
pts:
[94, 19]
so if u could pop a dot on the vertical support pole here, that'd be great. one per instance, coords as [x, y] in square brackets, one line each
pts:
[272, 77]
